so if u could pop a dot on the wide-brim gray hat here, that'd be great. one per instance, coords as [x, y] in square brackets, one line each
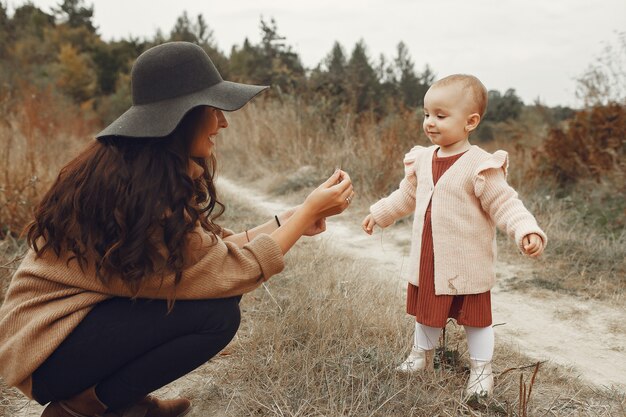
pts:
[168, 81]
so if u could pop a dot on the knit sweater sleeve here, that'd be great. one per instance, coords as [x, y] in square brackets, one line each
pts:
[214, 269]
[501, 202]
[401, 202]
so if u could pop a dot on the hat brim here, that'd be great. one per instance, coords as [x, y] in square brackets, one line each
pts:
[155, 120]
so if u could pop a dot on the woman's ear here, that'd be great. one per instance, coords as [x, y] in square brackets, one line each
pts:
[472, 122]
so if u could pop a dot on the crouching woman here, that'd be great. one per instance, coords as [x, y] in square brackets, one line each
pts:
[129, 283]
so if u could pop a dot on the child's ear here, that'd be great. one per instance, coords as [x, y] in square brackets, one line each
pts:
[472, 122]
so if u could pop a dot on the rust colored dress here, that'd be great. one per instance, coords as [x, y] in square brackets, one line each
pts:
[434, 310]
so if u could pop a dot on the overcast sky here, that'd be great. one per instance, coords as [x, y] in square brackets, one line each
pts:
[537, 47]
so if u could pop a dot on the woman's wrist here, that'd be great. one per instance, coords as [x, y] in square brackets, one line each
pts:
[293, 228]
[282, 218]
[306, 210]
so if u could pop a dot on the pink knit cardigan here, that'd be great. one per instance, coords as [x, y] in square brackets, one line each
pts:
[468, 202]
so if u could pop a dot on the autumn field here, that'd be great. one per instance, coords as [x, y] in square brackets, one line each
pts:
[323, 337]
[316, 341]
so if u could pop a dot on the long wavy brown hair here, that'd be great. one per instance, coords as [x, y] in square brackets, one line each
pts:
[121, 201]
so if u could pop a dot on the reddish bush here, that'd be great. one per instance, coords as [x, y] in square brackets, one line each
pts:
[592, 145]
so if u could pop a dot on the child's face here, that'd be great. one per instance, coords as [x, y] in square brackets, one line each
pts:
[448, 115]
[210, 123]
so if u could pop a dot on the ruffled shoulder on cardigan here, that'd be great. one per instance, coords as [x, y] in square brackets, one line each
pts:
[409, 159]
[497, 160]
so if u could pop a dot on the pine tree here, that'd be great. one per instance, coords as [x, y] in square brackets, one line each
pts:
[361, 80]
[76, 14]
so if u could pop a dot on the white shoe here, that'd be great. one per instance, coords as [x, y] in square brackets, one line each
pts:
[418, 360]
[480, 380]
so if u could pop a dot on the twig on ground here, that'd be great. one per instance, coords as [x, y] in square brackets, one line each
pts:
[272, 297]
[521, 367]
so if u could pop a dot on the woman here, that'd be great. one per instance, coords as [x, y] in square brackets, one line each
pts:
[129, 282]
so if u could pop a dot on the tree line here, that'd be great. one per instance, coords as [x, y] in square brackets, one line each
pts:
[62, 50]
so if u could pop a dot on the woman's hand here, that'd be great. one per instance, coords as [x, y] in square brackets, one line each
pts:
[332, 197]
[317, 227]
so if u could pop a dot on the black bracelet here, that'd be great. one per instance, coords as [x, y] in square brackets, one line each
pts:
[277, 221]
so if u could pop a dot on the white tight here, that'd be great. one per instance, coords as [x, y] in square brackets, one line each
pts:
[426, 337]
[480, 340]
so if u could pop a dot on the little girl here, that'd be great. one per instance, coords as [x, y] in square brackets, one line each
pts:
[458, 194]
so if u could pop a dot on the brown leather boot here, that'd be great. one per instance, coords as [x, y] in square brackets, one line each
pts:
[177, 407]
[85, 404]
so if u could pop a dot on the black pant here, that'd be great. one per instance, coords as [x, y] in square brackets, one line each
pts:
[130, 348]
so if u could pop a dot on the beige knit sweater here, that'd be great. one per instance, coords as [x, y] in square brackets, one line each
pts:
[469, 201]
[48, 297]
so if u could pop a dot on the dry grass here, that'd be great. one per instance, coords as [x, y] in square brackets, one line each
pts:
[326, 342]
[39, 132]
[582, 259]
[281, 139]
[325, 339]
[288, 147]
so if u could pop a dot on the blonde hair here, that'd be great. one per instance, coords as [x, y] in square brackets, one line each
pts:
[478, 90]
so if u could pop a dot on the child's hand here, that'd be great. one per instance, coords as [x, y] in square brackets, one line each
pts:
[533, 245]
[368, 224]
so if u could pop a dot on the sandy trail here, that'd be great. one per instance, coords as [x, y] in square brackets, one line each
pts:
[585, 336]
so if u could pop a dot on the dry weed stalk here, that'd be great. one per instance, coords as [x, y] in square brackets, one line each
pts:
[526, 392]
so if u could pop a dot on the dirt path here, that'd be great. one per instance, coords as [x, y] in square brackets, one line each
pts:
[586, 336]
